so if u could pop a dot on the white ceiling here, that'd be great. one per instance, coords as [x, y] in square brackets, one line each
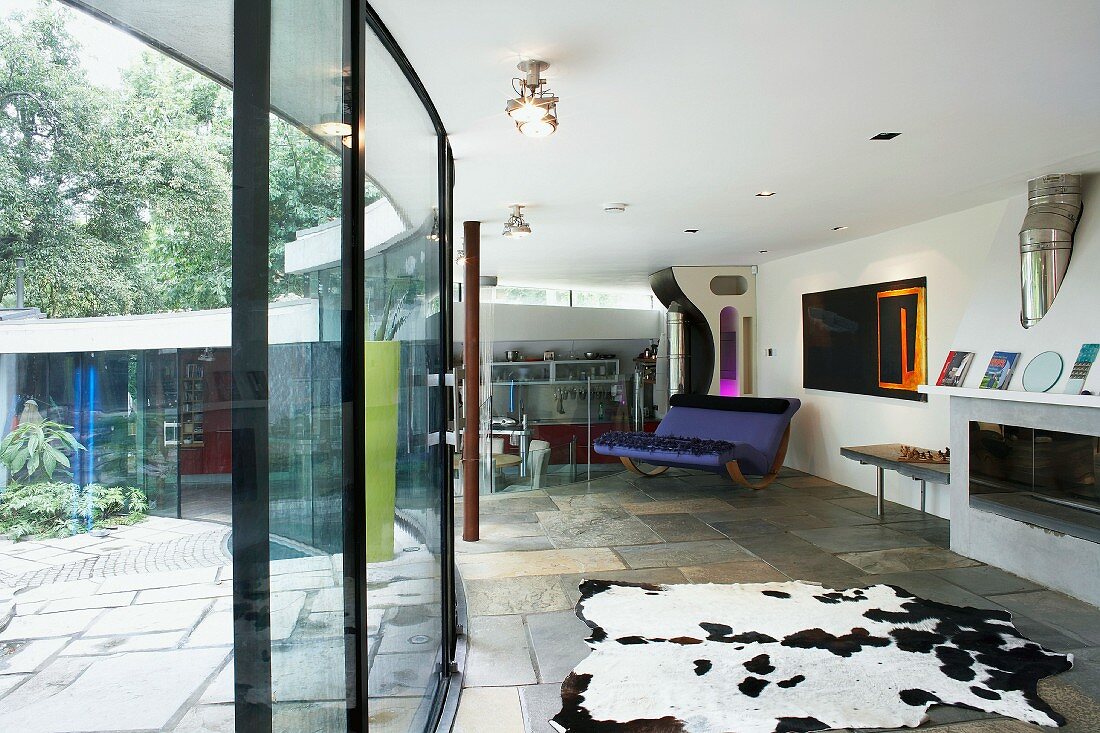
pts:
[684, 110]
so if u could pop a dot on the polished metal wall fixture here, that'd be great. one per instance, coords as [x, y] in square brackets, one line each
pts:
[1046, 241]
[676, 331]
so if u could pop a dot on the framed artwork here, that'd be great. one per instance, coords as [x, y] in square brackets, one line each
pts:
[870, 339]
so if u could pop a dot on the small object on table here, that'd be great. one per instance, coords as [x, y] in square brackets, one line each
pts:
[911, 454]
[886, 456]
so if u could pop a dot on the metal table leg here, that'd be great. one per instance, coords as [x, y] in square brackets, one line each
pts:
[881, 477]
[523, 442]
[923, 489]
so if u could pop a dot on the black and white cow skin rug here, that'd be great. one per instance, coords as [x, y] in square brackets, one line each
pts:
[792, 657]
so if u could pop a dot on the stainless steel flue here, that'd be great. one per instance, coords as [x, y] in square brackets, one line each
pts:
[676, 329]
[1046, 241]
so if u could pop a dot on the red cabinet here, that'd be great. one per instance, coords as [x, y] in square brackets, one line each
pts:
[560, 434]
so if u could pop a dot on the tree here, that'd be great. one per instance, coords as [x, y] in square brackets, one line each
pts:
[49, 117]
[120, 200]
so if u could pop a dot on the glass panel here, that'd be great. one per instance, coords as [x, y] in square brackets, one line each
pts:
[1045, 477]
[115, 218]
[308, 671]
[404, 489]
[528, 296]
[634, 301]
[158, 430]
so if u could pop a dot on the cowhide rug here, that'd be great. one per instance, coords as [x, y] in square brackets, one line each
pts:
[792, 657]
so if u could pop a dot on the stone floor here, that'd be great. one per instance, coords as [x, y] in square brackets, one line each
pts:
[131, 646]
[156, 544]
[521, 579]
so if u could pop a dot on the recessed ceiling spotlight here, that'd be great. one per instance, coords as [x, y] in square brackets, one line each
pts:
[765, 194]
[763, 251]
[616, 208]
[516, 227]
[535, 108]
[839, 229]
[886, 136]
[691, 231]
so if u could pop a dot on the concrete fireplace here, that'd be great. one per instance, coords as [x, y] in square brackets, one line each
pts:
[1031, 526]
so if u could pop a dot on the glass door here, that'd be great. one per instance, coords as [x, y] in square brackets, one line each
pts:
[405, 356]
[159, 430]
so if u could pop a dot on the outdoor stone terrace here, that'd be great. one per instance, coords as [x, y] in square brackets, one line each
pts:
[521, 580]
[134, 632]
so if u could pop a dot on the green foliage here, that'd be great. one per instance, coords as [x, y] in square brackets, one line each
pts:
[395, 309]
[121, 199]
[38, 446]
[52, 176]
[51, 509]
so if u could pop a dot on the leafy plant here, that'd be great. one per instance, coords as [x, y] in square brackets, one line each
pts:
[394, 311]
[35, 445]
[57, 509]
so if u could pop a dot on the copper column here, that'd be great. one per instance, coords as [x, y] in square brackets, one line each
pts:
[471, 398]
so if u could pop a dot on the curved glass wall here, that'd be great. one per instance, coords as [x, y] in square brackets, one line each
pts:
[242, 327]
[404, 415]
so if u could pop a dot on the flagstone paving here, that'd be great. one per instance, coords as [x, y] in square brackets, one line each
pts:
[134, 633]
[141, 637]
[686, 527]
[157, 544]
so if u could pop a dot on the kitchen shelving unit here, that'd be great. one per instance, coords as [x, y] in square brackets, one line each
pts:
[559, 371]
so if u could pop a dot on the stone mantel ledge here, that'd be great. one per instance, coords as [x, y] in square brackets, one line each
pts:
[1013, 395]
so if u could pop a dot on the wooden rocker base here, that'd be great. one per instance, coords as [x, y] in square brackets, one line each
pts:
[633, 468]
[732, 468]
[738, 478]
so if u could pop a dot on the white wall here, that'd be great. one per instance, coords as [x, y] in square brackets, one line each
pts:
[695, 283]
[992, 320]
[950, 251]
[513, 323]
[289, 321]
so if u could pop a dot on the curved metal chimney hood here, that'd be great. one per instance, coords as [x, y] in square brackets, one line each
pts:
[1046, 241]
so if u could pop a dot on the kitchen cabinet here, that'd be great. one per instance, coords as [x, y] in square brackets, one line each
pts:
[560, 434]
[561, 371]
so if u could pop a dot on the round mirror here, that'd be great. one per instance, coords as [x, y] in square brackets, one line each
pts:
[1043, 372]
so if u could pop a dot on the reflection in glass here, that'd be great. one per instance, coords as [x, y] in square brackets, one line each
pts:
[305, 463]
[403, 467]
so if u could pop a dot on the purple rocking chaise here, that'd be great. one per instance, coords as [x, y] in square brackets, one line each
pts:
[731, 435]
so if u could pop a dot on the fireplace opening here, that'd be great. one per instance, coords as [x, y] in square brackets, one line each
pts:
[1043, 477]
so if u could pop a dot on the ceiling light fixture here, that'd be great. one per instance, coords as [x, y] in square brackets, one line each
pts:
[886, 136]
[839, 229]
[691, 231]
[765, 194]
[763, 251]
[332, 125]
[535, 110]
[614, 208]
[516, 227]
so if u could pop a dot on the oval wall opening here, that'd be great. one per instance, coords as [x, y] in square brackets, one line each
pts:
[729, 285]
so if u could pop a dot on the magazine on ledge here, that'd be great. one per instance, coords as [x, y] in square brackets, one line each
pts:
[954, 369]
[999, 371]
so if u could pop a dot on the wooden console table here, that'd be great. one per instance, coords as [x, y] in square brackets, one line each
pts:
[885, 457]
